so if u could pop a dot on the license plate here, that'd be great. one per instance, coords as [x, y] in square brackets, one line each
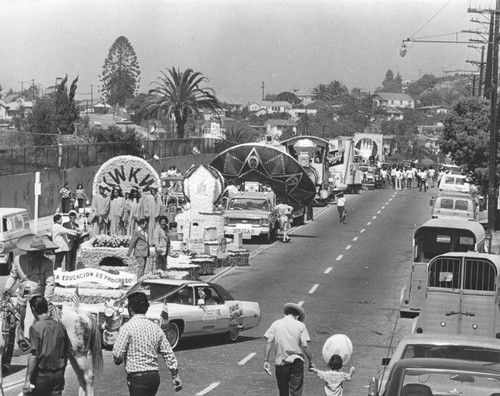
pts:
[245, 231]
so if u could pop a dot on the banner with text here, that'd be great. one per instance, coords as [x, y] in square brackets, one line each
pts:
[87, 275]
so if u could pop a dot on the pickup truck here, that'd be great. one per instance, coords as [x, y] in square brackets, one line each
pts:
[251, 214]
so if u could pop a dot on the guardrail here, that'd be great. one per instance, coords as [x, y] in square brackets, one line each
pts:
[37, 158]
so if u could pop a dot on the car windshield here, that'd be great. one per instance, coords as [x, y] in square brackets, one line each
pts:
[249, 204]
[462, 352]
[423, 381]
[156, 290]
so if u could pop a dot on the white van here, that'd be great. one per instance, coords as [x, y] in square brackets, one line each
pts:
[458, 183]
[14, 224]
[450, 204]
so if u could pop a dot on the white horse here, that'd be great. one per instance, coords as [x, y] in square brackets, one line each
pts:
[85, 354]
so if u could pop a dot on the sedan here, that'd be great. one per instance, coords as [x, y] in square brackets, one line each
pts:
[183, 309]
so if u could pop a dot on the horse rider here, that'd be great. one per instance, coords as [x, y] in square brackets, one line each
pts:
[35, 274]
[284, 212]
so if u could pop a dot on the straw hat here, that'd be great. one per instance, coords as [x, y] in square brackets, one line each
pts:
[297, 308]
[35, 243]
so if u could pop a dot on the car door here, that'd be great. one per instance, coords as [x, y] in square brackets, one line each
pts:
[212, 317]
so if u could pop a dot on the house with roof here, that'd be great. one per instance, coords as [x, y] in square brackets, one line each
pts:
[297, 113]
[277, 127]
[434, 109]
[3, 110]
[230, 104]
[305, 96]
[392, 99]
[270, 107]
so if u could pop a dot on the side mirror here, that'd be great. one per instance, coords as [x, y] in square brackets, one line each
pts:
[385, 361]
[201, 301]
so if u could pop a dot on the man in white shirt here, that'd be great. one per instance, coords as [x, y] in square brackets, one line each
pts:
[60, 238]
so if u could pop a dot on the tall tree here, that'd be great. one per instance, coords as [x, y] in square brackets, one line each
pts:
[337, 91]
[392, 83]
[306, 122]
[321, 93]
[120, 74]
[179, 94]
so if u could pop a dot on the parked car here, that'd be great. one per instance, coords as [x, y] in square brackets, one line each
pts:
[454, 205]
[178, 308]
[452, 182]
[436, 376]
[14, 224]
[439, 346]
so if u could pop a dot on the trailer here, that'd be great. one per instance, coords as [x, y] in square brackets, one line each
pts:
[345, 173]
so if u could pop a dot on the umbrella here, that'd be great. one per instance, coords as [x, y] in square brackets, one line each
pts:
[268, 165]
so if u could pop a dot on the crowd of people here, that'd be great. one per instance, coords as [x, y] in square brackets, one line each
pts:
[406, 178]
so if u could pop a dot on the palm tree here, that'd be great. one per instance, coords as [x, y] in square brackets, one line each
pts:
[306, 122]
[321, 93]
[337, 90]
[178, 94]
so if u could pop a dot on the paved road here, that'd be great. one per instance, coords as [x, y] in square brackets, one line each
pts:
[348, 278]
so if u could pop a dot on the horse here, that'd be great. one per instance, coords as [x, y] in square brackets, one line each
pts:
[85, 354]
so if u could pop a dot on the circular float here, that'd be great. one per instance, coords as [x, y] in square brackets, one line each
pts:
[338, 344]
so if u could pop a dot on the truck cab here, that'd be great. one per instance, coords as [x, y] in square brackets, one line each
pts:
[251, 213]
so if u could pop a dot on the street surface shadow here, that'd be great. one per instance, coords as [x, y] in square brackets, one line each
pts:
[207, 342]
[15, 368]
[303, 236]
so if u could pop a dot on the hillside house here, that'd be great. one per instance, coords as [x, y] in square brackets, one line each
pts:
[396, 100]
[277, 127]
[270, 107]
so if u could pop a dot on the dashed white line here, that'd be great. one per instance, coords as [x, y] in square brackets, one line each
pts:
[390, 199]
[374, 217]
[246, 359]
[347, 247]
[354, 239]
[328, 270]
[300, 303]
[313, 289]
[363, 230]
[209, 388]
[339, 257]
[368, 223]
[379, 212]
[387, 203]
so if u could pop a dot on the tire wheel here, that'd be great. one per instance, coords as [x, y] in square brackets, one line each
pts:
[233, 335]
[173, 334]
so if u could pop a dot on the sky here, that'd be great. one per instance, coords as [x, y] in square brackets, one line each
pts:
[239, 45]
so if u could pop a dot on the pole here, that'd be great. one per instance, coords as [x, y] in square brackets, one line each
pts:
[91, 98]
[38, 191]
[481, 67]
[489, 52]
[492, 196]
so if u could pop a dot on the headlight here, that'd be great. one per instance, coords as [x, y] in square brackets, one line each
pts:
[2, 247]
[109, 312]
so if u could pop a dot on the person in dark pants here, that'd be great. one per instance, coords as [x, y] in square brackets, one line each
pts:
[291, 340]
[138, 343]
[73, 241]
[49, 352]
[139, 245]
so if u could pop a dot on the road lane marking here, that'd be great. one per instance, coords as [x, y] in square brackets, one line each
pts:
[328, 270]
[363, 230]
[383, 207]
[245, 360]
[355, 239]
[390, 199]
[209, 388]
[313, 289]
[300, 303]
[339, 257]
[347, 247]
[387, 203]
[368, 223]
[374, 217]
[379, 212]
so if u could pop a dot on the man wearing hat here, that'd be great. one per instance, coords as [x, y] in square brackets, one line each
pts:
[149, 208]
[35, 274]
[291, 340]
[139, 245]
[161, 242]
[73, 241]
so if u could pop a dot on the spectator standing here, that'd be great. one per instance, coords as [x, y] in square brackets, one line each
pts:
[334, 378]
[138, 344]
[60, 236]
[134, 210]
[393, 177]
[81, 197]
[116, 205]
[423, 179]
[409, 178]
[148, 208]
[139, 245]
[73, 241]
[65, 194]
[99, 217]
[32, 273]
[162, 243]
[291, 341]
[49, 352]
[431, 175]
[341, 208]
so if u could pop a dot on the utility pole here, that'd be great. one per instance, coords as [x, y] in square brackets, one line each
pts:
[22, 85]
[489, 52]
[33, 87]
[492, 196]
[262, 88]
[91, 98]
[481, 67]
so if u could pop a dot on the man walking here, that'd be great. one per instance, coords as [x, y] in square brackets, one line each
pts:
[341, 208]
[291, 340]
[138, 343]
[162, 243]
[73, 241]
[139, 244]
[49, 352]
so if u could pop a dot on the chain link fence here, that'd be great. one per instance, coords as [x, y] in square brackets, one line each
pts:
[38, 158]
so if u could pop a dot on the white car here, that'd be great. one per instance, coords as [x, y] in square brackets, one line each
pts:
[183, 309]
[458, 183]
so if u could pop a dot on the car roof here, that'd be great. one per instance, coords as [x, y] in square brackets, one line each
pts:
[174, 282]
[452, 364]
[454, 194]
[473, 226]
[450, 339]
[9, 211]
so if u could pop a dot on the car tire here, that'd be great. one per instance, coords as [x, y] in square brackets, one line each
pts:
[5, 269]
[233, 334]
[173, 334]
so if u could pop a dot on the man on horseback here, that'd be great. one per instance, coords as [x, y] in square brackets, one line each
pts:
[35, 274]
[49, 352]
